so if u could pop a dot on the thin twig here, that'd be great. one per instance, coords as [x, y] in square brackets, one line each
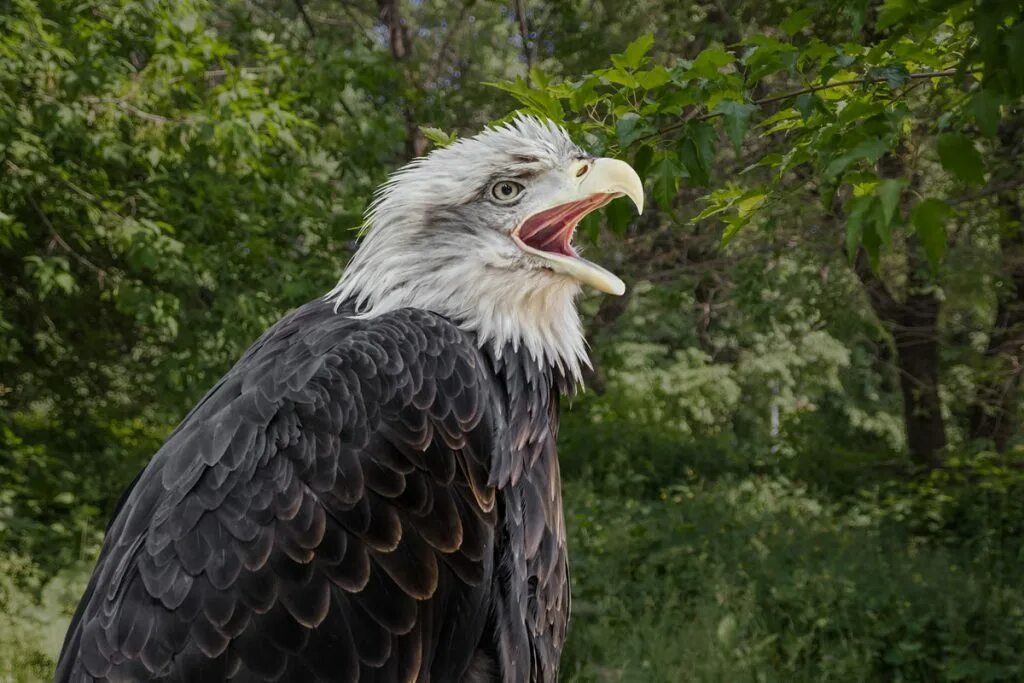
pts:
[124, 105]
[213, 73]
[524, 32]
[988, 191]
[693, 114]
[101, 274]
[453, 28]
[858, 81]
[305, 18]
[362, 30]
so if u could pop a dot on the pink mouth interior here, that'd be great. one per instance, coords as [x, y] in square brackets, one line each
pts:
[551, 230]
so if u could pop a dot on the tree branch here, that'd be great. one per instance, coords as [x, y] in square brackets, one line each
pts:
[857, 81]
[453, 28]
[524, 33]
[126, 106]
[694, 114]
[101, 274]
[305, 17]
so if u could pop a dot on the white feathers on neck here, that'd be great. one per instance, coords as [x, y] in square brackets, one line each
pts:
[531, 309]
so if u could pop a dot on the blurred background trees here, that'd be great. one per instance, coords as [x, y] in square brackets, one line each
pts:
[800, 455]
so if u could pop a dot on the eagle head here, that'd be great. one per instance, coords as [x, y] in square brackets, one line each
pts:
[481, 232]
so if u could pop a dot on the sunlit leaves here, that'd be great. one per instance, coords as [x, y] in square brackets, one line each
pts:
[853, 108]
[653, 78]
[51, 274]
[538, 99]
[437, 136]
[871, 216]
[708, 63]
[732, 205]
[635, 53]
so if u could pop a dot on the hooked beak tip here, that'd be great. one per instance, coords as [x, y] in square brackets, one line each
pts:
[612, 176]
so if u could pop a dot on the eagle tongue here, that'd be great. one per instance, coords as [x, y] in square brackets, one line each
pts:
[551, 230]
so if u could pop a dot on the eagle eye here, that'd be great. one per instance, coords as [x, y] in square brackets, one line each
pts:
[506, 190]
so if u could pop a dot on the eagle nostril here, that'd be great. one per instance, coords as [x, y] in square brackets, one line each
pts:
[583, 170]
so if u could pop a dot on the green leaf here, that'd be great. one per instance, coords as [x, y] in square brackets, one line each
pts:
[678, 101]
[985, 107]
[653, 78]
[439, 137]
[585, 93]
[619, 215]
[539, 78]
[718, 201]
[894, 11]
[888, 193]
[737, 119]
[642, 160]
[857, 211]
[960, 157]
[796, 21]
[619, 77]
[666, 174]
[929, 218]
[698, 151]
[635, 52]
[708, 62]
[629, 128]
[733, 224]
[868, 150]
[540, 101]
[750, 203]
[896, 75]
[807, 103]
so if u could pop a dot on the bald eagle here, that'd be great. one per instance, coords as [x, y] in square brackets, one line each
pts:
[372, 493]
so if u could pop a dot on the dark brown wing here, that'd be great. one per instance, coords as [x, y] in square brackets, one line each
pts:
[323, 514]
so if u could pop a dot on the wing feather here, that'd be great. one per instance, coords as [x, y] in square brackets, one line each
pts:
[323, 514]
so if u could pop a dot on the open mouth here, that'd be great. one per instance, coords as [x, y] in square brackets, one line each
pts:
[547, 235]
[551, 230]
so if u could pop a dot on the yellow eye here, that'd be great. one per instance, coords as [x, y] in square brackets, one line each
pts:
[506, 190]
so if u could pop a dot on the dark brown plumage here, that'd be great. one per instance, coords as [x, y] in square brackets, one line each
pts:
[371, 500]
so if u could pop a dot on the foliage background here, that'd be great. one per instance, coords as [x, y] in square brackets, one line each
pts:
[800, 457]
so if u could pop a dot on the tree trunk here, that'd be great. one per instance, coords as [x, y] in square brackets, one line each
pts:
[915, 333]
[994, 415]
[913, 323]
[401, 47]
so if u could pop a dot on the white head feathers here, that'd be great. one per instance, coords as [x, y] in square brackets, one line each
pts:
[437, 239]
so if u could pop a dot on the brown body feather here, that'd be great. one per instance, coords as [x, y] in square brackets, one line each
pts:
[357, 500]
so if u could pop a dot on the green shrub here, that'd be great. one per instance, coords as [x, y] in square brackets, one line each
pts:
[758, 578]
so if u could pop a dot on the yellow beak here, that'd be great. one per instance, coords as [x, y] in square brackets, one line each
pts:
[546, 235]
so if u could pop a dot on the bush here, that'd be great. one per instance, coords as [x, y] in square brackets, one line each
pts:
[759, 578]
[33, 616]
